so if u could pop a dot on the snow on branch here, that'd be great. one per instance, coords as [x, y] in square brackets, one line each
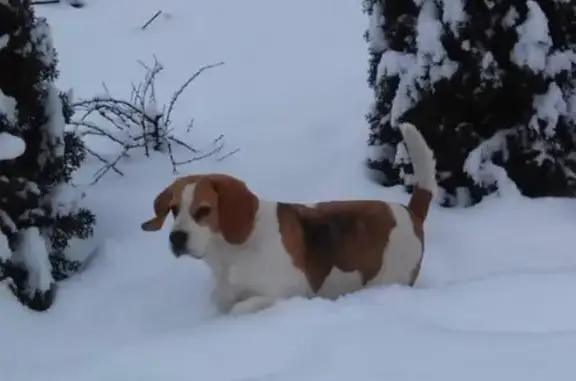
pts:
[479, 165]
[140, 122]
[10, 146]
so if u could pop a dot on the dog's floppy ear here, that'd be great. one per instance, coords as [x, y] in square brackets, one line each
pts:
[165, 200]
[237, 207]
[162, 204]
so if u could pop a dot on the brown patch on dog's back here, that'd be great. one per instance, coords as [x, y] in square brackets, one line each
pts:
[347, 235]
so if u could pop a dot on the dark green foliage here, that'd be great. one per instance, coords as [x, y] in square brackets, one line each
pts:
[30, 184]
[486, 113]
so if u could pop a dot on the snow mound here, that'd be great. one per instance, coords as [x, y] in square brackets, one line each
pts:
[11, 146]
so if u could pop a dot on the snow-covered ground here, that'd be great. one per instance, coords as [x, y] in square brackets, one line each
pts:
[496, 296]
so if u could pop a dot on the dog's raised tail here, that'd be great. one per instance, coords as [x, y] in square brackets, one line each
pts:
[424, 164]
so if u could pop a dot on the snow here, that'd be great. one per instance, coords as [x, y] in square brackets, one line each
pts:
[55, 126]
[422, 70]
[549, 107]
[490, 74]
[41, 36]
[453, 14]
[478, 164]
[376, 41]
[534, 41]
[5, 252]
[561, 61]
[32, 253]
[4, 40]
[8, 107]
[11, 146]
[495, 297]
[572, 106]
[56, 122]
[511, 17]
[431, 52]
[395, 63]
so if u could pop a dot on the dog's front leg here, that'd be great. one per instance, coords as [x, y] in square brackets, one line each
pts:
[250, 305]
[224, 297]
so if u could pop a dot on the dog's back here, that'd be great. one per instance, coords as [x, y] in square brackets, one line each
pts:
[343, 246]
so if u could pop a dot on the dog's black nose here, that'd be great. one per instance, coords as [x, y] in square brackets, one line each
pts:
[178, 240]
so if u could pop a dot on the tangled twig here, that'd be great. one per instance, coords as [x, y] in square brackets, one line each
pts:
[140, 123]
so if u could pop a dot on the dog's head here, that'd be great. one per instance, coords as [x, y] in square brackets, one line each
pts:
[204, 206]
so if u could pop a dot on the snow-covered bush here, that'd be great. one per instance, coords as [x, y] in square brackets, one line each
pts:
[140, 123]
[10, 148]
[489, 83]
[38, 158]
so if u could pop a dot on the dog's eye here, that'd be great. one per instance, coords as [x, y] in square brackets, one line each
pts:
[174, 210]
[201, 213]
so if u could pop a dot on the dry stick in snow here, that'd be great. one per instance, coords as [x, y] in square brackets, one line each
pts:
[151, 19]
[73, 3]
[40, 2]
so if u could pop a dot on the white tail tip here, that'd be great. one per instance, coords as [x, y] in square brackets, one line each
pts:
[421, 156]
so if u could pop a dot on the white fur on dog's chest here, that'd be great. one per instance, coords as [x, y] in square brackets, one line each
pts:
[261, 266]
[272, 275]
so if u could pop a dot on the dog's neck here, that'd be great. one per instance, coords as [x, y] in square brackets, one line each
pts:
[221, 253]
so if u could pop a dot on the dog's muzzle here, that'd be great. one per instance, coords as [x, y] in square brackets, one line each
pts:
[178, 242]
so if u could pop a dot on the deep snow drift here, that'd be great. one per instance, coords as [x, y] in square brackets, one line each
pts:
[495, 296]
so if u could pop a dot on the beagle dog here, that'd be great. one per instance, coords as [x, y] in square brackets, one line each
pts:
[260, 251]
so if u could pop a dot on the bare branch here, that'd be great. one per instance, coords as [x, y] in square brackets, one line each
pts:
[109, 166]
[151, 20]
[221, 158]
[139, 122]
[179, 92]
